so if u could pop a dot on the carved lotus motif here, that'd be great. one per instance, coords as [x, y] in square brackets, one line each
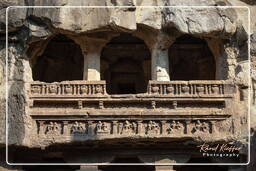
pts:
[155, 89]
[68, 89]
[35, 90]
[185, 89]
[84, 89]
[170, 89]
[215, 89]
[200, 88]
[53, 89]
[99, 89]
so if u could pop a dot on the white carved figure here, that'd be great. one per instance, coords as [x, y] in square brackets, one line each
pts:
[153, 128]
[128, 128]
[53, 128]
[101, 127]
[77, 127]
[174, 125]
[200, 126]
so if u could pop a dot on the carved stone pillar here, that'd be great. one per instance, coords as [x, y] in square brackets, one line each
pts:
[88, 168]
[164, 168]
[92, 51]
[160, 57]
[160, 64]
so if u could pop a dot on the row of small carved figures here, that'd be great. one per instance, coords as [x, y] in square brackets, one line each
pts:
[186, 88]
[68, 89]
[72, 89]
[126, 127]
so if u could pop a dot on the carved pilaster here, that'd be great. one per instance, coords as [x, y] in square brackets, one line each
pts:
[80, 104]
[187, 127]
[114, 127]
[90, 128]
[164, 128]
[41, 128]
[101, 104]
[66, 131]
[213, 128]
[174, 104]
[140, 128]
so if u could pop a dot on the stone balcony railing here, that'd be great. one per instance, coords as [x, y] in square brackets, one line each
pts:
[81, 110]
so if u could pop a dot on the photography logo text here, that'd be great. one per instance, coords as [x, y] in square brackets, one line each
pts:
[219, 150]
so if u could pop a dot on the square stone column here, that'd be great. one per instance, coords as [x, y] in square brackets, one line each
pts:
[92, 52]
[92, 66]
[164, 168]
[160, 57]
[160, 64]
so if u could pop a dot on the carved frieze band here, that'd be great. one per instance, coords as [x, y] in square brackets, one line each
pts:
[186, 88]
[68, 88]
[126, 127]
[175, 88]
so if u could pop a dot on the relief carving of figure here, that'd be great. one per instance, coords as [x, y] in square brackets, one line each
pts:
[84, 89]
[215, 89]
[174, 125]
[128, 128]
[78, 127]
[200, 126]
[101, 128]
[68, 89]
[155, 89]
[153, 128]
[53, 128]
[53, 89]
[35, 89]
[99, 89]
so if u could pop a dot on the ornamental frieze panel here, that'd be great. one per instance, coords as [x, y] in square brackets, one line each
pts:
[68, 88]
[170, 88]
[122, 128]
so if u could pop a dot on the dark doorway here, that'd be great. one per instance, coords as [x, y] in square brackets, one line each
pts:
[126, 65]
[191, 59]
[62, 60]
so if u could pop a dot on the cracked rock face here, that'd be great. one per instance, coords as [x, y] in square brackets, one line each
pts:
[212, 22]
